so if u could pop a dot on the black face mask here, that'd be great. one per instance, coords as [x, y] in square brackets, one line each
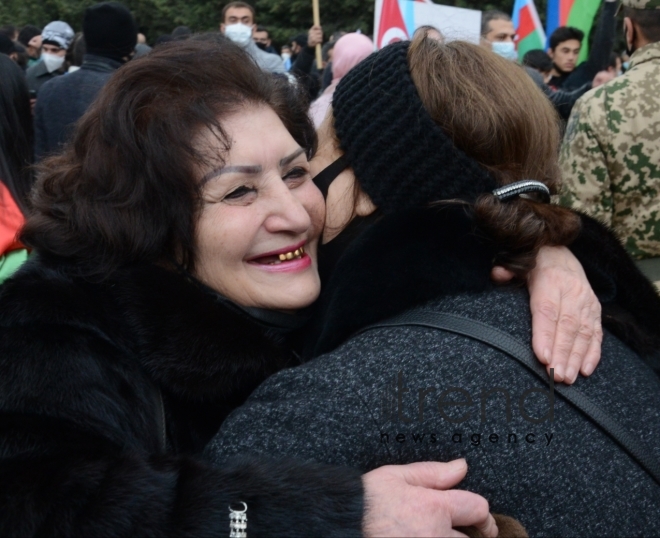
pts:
[326, 176]
[262, 46]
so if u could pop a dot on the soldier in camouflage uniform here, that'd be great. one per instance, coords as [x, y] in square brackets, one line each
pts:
[611, 152]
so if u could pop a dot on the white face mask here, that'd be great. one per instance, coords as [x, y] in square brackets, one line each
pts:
[286, 56]
[239, 33]
[505, 49]
[52, 61]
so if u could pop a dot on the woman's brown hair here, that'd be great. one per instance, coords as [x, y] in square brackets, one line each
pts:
[126, 190]
[493, 111]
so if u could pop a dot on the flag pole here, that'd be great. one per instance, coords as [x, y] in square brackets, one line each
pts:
[317, 22]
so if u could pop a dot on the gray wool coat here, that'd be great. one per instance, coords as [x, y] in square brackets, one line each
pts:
[406, 394]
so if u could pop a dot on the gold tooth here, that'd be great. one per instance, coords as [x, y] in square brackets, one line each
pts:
[289, 255]
[282, 257]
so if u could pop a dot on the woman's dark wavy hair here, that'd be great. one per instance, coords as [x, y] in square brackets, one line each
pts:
[126, 190]
[16, 133]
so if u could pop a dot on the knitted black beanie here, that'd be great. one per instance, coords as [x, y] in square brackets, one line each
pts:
[400, 157]
[109, 30]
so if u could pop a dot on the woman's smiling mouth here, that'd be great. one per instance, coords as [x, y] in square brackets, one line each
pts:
[292, 258]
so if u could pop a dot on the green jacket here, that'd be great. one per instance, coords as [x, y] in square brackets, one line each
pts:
[610, 157]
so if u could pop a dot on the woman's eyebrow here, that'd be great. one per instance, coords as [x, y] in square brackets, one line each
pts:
[294, 155]
[248, 169]
[229, 170]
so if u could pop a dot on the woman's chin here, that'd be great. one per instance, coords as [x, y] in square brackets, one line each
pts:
[279, 291]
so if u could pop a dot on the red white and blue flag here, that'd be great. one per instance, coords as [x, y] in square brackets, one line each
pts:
[397, 20]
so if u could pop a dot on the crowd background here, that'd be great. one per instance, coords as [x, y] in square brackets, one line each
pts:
[283, 19]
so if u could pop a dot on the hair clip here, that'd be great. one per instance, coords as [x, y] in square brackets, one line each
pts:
[513, 190]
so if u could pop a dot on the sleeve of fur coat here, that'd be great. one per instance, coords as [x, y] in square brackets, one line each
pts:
[78, 457]
[110, 494]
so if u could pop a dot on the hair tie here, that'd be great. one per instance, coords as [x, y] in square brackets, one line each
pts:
[514, 190]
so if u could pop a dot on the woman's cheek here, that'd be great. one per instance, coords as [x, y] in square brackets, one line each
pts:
[314, 204]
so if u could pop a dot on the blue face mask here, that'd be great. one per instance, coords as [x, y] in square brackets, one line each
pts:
[626, 66]
[505, 49]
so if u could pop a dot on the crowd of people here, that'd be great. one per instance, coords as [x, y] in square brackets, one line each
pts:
[245, 293]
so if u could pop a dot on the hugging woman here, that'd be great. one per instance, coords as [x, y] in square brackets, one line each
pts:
[174, 240]
[422, 143]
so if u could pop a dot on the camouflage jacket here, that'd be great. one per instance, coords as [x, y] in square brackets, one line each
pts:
[610, 157]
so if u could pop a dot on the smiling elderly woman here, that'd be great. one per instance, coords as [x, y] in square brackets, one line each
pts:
[240, 252]
[183, 209]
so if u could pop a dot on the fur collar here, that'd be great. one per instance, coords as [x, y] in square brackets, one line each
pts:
[403, 260]
[195, 346]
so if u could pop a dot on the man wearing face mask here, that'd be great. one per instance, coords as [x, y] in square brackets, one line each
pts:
[261, 37]
[110, 33]
[55, 41]
[238, 25]
[498, 35]
[611, 151]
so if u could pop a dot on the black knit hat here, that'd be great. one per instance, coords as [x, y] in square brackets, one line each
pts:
[109, 30]
[400, 157]
[27, 33]
[7, 46]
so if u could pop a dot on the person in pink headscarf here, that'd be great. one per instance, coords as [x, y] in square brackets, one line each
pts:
[349, 51]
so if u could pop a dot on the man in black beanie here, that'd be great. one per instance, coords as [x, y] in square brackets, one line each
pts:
[110, 34]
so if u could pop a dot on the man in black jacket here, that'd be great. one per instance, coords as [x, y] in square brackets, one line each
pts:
[56, 39]
[110, 35]
[566, 43]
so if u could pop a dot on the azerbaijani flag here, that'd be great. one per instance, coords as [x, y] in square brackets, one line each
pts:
[529, 31]
[577, 13]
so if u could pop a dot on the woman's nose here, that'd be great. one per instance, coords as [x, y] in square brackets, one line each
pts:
[286, 212]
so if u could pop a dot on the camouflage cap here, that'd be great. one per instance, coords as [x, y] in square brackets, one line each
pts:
[640, 4]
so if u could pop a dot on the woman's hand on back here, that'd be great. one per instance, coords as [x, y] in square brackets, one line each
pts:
[414, 500]
[566, 314]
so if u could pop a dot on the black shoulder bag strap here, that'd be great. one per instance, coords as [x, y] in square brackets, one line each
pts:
[523, 354]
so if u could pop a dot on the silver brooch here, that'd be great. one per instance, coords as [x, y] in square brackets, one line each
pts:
[238, 522]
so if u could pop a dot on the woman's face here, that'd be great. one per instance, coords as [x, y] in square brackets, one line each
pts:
[262, 215]
[341, 204]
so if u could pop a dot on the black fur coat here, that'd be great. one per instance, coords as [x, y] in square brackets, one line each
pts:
[108, 392]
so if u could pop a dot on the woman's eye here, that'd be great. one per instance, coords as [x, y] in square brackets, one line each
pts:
[294, 173]
[240, 193]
